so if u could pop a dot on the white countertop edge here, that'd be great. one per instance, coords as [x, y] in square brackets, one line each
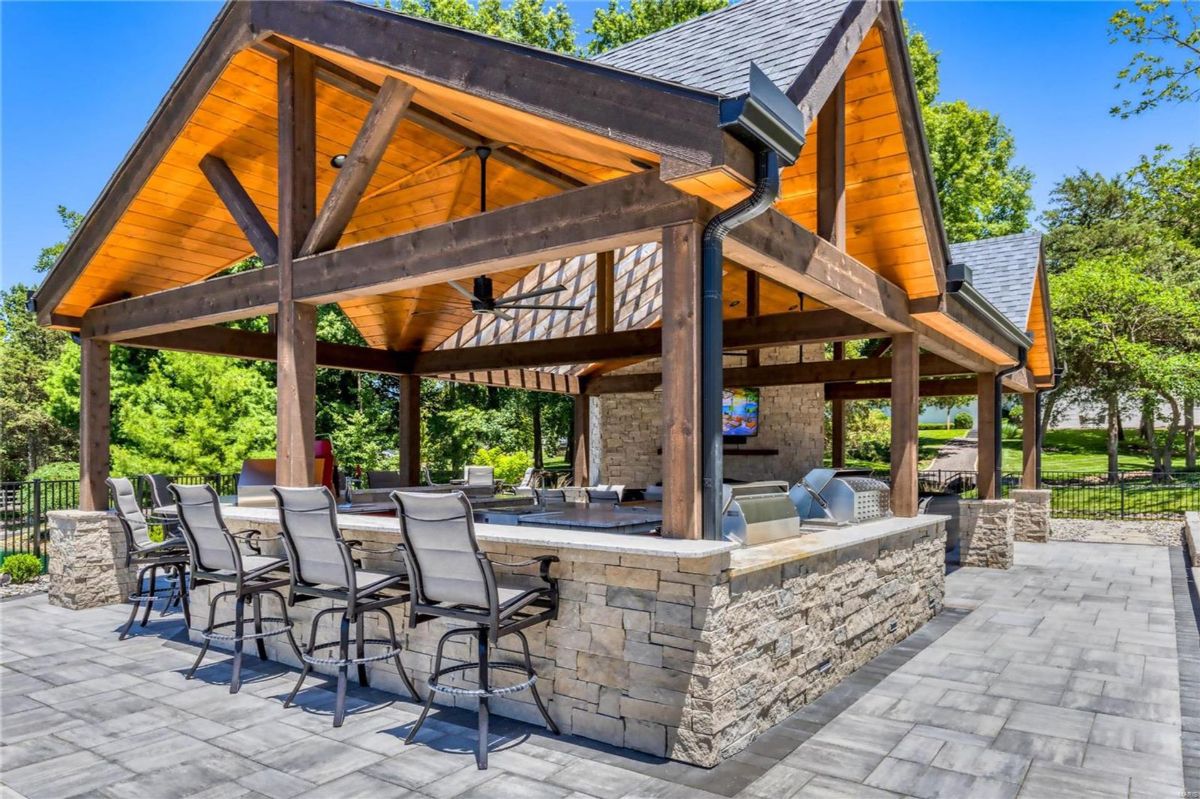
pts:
[550, 537]
[808, 545]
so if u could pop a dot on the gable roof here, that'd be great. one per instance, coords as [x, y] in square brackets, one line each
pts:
[1004, 271]
[713, 52]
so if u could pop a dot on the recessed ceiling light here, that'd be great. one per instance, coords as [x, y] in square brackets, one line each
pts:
[338, 161]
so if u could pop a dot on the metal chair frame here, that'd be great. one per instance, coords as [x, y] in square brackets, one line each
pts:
[170, 555]
[247, 585]
[359, 601]
[488, 625]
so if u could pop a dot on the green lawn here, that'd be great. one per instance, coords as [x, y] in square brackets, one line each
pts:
[929, 441]
[1084, 451]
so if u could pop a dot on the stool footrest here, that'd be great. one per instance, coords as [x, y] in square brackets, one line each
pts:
[394, 650]
[285, 625]
[516, 668]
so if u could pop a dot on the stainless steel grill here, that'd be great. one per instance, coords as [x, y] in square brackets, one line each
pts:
[825, 496]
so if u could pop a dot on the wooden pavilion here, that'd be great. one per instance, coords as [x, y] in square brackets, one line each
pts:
[338, 143]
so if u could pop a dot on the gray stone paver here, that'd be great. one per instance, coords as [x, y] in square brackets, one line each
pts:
[1061, 680]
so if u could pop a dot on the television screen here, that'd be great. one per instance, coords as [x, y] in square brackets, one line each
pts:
[739, 411]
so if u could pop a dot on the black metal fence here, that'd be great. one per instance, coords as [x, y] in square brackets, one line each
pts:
[1091, 495]
[23, 508]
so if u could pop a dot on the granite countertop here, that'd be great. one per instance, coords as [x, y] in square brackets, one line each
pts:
[550, 537]
[764, 556]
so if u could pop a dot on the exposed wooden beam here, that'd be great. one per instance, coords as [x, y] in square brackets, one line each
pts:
[246, 344]
[296, 322]
[831, 168]
[777, 247]
[764, 331]
[581, 430]
[837, 421]
[94, 422]
[640, 113]
[905, 409]
[241, 207]
[525, 379]
[877, 390]
[753, 307]
[365, 154]
[681, 458]
[791, 374]
[605, 300]
[229, 33]
[609, 215]
[409, 433]
[1029, 440]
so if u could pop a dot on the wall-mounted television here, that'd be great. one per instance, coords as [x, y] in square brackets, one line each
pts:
[739, 412]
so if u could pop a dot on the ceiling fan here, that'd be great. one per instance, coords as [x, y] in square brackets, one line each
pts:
[482, 298]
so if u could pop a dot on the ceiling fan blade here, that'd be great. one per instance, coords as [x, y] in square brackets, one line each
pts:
[543, 307]
[461, 289]
[529, 295]
[496, 312]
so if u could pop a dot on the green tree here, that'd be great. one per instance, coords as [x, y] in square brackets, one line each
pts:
[624, 22]
[526, 21]
[1167, 68]
[982, 191]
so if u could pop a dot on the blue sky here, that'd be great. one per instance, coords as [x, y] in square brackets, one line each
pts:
[79, 80]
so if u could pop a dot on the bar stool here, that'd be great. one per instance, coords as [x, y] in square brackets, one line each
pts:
[170, 555]
[162, 505]
[452, 579]
[323, 564]
[216, 557]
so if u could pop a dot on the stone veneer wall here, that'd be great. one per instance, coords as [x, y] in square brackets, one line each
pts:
[1031, 514]
[627, 438]
[986, 533]
[687, 658]
[86, 560]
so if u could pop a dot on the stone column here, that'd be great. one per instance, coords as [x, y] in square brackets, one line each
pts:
[986, 533]
[1031, 514]
[87, 560]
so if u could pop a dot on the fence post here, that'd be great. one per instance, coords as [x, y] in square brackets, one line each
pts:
[37, 518]
[1121, 485]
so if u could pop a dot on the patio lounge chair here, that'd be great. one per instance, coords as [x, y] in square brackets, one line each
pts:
[216, 557]
[453, 579]
[605, 494]
[149, 556]
[384, 479]
[323, 565]
[529, 481]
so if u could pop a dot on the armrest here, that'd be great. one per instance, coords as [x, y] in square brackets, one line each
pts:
[543, 560]
[253, 538]
[358, 546]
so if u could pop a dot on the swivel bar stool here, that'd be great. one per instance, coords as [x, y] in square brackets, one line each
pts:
[216, 557]
[452, 579]
[323, 564]
[149, 556]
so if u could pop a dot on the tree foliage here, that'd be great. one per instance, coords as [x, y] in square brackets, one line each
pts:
[624, 22]
[1167, 67]
[526, 21]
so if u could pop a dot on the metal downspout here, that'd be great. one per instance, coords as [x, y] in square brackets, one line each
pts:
[766, 190]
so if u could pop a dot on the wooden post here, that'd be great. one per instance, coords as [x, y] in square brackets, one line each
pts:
[1029, 440]
[1189, 433]
[837, 420]
[985, 464]
[681, 464]
[94, 406]
[906, 377]
[753, 307]
[296, 325]
[581, 430]
[605, 299]
[831, 168]
[410, 430]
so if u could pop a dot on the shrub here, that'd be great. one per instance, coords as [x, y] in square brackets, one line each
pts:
[1009, 431]
[870, 437]
[23, 567]
[510, 466]
[963, 421]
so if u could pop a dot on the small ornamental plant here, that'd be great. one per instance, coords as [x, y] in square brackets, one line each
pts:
[22, 568]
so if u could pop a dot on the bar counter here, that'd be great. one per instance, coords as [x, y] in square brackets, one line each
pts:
[679, 648]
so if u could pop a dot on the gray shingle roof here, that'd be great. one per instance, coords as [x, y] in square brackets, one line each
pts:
[1003, 270]
[713, 52]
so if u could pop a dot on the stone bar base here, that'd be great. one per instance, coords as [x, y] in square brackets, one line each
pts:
[678, 654]
[1031, 515]
[986, 533]
[87, 560]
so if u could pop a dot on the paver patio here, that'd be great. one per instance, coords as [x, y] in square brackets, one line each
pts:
[1060, 677]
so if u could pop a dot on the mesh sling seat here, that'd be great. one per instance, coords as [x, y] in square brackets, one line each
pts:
[453, 579]
[216, 557]
[323, 565]
[162, 505]
[170, 555]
